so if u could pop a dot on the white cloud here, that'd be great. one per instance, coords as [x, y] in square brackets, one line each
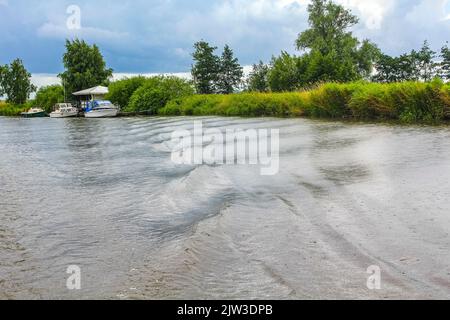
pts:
[50, 30]
[372, 12]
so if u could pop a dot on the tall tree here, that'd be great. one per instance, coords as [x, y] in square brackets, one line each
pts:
[230, 73]
[206, 67]
[329, 24]
[424, 62]
[258, 78]
[283, 75]
[335, 53]
[15, 82]
[445, 63]
[85, 66]
[2, 73]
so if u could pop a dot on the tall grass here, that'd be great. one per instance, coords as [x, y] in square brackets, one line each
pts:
[244, 104]
[409, 102]
[10, 110]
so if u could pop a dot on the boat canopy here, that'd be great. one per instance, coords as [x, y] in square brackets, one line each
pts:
[96, 104]
[95, 91]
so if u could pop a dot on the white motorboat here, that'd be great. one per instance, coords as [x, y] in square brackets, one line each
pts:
[101, 109]
[64, 110]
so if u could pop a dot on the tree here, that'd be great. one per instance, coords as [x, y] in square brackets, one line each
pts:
[334, 53]
[328, 27]
[366, 56]
[415, 66]
[84, 66]
[15, 82]
[394, 69]
[283, 75]
[445, 63]
[258, 79]
[424, 63]
[3, 70]
[121, 91]
[230, 73]
[205, 70]
[47, 97]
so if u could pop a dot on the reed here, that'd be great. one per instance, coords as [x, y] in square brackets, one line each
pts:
[408, 102]
[10, 110]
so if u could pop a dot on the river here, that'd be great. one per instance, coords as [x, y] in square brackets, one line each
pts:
[104, 195]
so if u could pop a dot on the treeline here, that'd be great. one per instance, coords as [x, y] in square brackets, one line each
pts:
[328, 53]
[84, 68]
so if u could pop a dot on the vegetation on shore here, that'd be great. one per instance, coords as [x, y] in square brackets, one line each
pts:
[148, 95]
[12, 110]
[407, 102]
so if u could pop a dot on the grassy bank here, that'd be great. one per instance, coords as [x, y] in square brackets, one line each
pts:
[408, 102]
[10, 110]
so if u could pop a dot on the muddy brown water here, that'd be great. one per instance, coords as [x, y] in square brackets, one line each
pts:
[104, 195]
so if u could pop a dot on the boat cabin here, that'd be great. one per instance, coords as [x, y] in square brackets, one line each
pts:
[91, 94]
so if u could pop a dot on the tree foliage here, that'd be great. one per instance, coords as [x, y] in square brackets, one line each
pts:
[206, 68]
[257, 80]
[214, 74]
[230, 72]
[156, 92]
[15, 82]
[47, 97]
[283, 74]
[415, 66]
[84, 66]
[445, 64]
[332, 51]
[120, 91]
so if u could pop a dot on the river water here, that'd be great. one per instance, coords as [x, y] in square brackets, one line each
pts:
[105, 196]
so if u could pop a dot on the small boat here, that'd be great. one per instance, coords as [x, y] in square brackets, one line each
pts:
[64, 110]
[34, 113]
[101, 109]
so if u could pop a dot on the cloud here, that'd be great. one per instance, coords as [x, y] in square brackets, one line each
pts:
[50, 30]
[157, 35]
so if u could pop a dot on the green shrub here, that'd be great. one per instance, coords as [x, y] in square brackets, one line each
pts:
[120, 91]
[11, 110]
[156, 92]
[48, 96]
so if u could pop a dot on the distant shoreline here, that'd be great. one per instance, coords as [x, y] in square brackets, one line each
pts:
[405, 103]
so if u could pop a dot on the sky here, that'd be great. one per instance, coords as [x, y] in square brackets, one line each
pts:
[156, 36]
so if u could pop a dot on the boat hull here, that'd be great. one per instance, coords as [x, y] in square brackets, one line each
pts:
[108, 113]
[56, 115]
[34, 115]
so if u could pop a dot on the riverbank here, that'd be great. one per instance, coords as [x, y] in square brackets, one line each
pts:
[406, 102]
[9, 110]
